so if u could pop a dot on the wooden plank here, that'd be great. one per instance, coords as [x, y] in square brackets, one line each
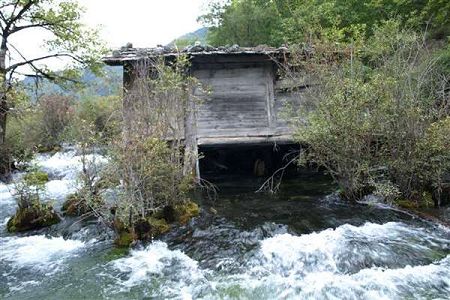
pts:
[215, 141]
[236, 74]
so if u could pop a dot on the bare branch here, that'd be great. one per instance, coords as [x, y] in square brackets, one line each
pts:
[46, 75]
[31, 61]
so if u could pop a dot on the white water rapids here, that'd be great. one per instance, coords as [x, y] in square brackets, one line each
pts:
[396, 259]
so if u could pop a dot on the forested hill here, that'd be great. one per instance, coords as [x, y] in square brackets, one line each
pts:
[92, 85]
[191, 37]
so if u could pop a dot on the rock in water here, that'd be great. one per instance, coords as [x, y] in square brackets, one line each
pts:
[33, 217]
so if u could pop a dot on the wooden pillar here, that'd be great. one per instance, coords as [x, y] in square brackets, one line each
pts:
[270, 98]
[191, 163]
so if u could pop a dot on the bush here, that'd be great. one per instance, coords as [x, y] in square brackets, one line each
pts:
[151, 178]
[379, 121]
[31, 212]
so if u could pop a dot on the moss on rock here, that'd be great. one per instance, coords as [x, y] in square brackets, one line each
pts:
[36, 178]
[155, 225]
[424, 200]
[405, 203]
[124, 235]
[186, 211]
[159, 226]
[48, 148]
[33, 217]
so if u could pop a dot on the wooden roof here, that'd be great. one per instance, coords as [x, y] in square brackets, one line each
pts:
[128, 53]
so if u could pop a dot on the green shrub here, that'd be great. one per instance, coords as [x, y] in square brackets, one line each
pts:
[36, 178]
[380, 121]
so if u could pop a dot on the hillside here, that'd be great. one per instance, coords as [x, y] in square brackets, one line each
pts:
[109, 84]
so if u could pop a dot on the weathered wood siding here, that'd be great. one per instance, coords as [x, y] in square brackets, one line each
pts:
[241, 103]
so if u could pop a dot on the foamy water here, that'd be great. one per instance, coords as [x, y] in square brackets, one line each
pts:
[350, 262]
[41, 253]
[222, 260]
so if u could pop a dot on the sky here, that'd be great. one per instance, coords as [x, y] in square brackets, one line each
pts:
[145, 23]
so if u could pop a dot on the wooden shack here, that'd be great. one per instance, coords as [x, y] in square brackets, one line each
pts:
[245, 100]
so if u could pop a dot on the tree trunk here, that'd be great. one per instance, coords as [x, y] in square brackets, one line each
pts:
[4, 108]
[3, 102]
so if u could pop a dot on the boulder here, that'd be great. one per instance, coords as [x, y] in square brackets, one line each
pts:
[36, 216]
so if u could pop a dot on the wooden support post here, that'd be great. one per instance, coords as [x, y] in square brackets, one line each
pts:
[191, 163]
[270, 98]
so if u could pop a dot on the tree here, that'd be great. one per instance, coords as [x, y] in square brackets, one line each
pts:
[252, 22]
[71, 41]
[242, 22]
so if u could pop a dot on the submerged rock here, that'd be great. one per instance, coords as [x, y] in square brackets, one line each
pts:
[36, 216]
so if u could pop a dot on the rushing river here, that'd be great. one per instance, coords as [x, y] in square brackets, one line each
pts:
[299, 244]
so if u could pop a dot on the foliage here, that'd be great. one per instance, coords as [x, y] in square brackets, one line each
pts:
[103, 113]
[245, 22]
[88, 198]
[379, 119]
[253, 22]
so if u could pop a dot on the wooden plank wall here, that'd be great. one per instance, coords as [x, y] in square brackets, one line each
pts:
[240, 103]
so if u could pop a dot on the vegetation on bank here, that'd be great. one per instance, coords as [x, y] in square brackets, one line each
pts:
[378, 119]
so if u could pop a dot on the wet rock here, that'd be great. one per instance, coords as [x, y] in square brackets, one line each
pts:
[36, 216]
[234, 48]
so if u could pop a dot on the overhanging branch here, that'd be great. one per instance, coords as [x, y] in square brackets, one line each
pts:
[31, 61]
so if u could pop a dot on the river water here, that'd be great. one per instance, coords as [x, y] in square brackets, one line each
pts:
[302, 243]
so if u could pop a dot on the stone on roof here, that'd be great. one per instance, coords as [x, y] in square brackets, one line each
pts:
[128, 53]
